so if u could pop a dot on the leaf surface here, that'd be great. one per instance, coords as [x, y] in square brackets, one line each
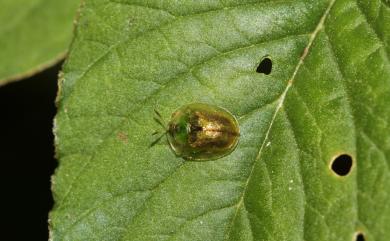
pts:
[34, 34]
[328, 94]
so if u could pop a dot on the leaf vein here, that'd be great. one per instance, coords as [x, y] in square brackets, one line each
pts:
[279, 106]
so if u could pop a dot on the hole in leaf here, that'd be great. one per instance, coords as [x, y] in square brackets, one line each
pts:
[342, 164]
[265, 66]
[360, 237]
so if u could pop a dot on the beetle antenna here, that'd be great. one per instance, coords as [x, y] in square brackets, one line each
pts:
[159, 119]
[157, 113]
[157, 140]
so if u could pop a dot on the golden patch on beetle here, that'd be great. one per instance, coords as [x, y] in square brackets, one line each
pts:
[211, 131]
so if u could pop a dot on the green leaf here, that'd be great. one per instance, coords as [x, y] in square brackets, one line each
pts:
[34, 35]
[328, 94]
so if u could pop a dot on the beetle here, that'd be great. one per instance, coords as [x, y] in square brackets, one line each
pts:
[200, 131]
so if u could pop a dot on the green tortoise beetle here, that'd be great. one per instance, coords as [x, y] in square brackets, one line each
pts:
[201, 131]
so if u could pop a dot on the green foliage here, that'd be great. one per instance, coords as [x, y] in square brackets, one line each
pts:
[327, 94]
[34, 34]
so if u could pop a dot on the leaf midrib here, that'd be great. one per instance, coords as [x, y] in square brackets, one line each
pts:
[313, 36]
[159, 27]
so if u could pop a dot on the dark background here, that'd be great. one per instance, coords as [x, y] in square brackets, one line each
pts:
[27, 156]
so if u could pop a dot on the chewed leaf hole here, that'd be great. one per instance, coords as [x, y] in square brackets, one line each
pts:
[265, 66]
[360, 237]
[342, 164]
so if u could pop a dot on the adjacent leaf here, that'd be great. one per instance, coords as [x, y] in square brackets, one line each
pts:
[328, 94]
[34, 34]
